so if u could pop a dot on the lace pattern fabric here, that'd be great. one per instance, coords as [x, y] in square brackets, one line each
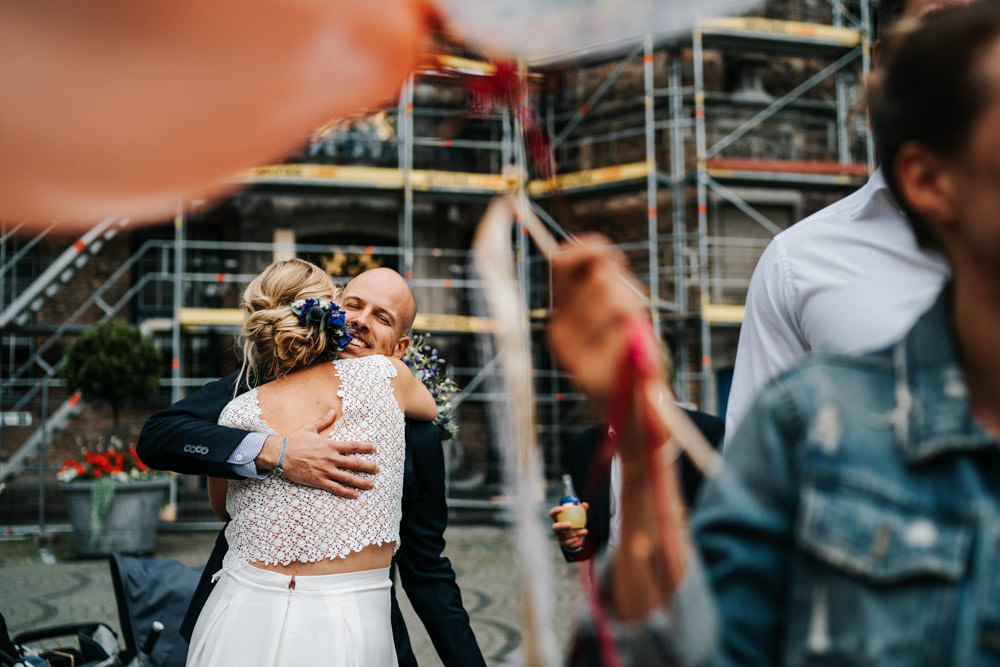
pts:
[277, 521]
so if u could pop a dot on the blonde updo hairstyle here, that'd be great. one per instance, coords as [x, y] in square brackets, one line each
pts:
[274, 343]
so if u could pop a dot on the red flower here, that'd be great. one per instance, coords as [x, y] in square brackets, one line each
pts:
[136, 461]
[104, 461]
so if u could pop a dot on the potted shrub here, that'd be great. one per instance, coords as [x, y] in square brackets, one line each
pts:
[113, 362]
[113, 498]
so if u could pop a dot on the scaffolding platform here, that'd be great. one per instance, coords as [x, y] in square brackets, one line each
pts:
[790, 172]
[773, 36]
[376, 178]
[232, 318]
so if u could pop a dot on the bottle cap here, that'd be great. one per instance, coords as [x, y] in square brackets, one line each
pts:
[569, 496]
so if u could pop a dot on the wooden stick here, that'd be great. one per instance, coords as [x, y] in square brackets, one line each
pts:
[495, 260]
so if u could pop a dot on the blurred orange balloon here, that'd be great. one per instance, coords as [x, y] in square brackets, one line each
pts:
[118, 107]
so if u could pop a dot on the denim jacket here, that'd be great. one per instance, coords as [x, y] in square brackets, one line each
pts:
[856, 522]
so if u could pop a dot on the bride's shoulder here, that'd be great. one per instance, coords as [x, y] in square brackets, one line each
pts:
[242, 411]
[367, 360]
[249, 396]
[369, 363]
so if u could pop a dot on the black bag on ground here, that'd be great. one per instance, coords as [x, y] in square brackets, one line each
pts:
[97, 646]
[148, 590]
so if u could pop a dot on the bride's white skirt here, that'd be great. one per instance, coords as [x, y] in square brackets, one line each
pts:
[253, 618]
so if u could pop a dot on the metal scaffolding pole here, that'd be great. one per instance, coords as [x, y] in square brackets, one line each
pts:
[682, 358]
[866, 65]
[843, 146]
[708, 402]
[652, 220]
[406, 166]
[176, 372]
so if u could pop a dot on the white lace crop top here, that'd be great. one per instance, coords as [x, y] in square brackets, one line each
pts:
[276, 521]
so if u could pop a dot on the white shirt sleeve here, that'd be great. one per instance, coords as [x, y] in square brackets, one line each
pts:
[770, 337]
[241, 461]
[615, 502]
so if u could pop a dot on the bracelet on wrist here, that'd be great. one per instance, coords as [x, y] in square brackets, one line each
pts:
[279, 469]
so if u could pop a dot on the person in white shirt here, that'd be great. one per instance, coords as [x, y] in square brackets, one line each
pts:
[850, 277]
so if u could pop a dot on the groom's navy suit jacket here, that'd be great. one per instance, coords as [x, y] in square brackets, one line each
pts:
[185, 438]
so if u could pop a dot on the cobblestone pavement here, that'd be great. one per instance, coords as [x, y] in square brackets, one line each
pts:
[36, 593]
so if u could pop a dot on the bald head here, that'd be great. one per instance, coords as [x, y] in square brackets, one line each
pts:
[391, 285]
[380, 310]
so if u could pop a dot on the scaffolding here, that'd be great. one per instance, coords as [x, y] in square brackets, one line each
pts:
[182, 288]
[721, 155]
[675, 147]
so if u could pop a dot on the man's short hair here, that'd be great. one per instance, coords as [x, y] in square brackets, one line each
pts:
[930, 88]
[886, 14]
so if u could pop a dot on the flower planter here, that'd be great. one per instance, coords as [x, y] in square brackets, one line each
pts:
[131, 521]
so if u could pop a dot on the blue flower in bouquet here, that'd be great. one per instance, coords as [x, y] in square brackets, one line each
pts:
[432, 370]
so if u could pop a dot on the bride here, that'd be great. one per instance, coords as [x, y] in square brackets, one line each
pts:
[306, 577]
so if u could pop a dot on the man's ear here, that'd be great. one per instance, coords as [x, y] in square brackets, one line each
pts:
[927, 183]
[402, 344]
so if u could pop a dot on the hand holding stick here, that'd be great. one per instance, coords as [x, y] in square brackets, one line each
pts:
[593, 293]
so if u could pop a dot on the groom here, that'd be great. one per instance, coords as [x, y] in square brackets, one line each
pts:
[185, 438]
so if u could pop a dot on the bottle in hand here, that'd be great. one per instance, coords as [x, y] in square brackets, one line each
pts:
[572, 510]
[143, 656]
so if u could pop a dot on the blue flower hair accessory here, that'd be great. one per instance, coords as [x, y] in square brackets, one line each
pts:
[327, 314]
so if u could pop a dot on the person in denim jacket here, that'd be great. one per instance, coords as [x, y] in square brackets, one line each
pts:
[859, 522]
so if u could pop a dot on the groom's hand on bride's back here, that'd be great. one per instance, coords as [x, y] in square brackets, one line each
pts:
[313, 459]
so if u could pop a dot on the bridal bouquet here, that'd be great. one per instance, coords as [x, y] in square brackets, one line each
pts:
[431, 369]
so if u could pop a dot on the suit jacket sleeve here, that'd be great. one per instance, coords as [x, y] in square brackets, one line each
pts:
[426, 575]
[583, 454]
[713, 429]
[185, 437]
